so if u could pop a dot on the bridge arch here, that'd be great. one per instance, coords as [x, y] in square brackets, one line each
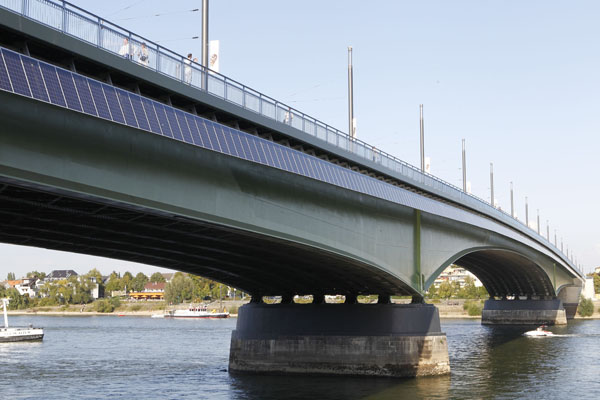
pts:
[502, 272]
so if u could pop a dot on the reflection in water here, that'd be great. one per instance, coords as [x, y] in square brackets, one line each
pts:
[170, 359]
[331, 387]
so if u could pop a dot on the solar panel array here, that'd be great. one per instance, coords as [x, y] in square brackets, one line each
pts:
[29, 77]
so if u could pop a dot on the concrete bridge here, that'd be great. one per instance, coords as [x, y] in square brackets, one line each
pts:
[103, 155]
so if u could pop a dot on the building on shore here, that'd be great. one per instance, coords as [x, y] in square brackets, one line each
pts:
[152, 291]
[457, 274]
[59, 274]
[25, 286]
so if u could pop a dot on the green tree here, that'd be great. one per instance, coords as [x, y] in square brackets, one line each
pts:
[103, 306]
[139, 282]
[82, 290]
[597, 283]
[17, 301]
[180, 289]
[432, 292]
[468, 291]
[36, 274]
[10, 276]
[445, 290]
[586, 307]
[157, 277]
[114, 283]
[94, 273]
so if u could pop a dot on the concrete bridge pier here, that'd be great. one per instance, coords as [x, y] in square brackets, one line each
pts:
[390, 340]
[524, 312]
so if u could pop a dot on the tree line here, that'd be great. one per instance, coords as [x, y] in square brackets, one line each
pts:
[454, 290]
[78, 289]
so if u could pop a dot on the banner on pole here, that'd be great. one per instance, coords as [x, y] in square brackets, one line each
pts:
[213, 55]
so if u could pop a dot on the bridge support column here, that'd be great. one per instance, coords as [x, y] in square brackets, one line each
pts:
[524, 312]
[569, 295]
[339, 339]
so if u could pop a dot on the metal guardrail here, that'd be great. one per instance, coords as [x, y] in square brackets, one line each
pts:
[77, 22]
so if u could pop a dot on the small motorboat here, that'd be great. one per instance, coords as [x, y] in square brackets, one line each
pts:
[539, 332]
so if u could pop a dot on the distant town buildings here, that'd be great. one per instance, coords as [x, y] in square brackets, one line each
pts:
[458, 274]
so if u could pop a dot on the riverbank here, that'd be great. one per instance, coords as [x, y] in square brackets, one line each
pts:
[451, 309]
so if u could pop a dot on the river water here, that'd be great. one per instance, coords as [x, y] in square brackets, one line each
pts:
[96, 357]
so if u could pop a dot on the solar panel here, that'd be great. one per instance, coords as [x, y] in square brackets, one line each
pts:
[138, 109]
[16, 73]
[191, 120]
[162, 119]
[228, 135]
[127, 108]
[68, 87]
[203, 130]
[284, 159]
[185, 130]
[24, 75]
[113, 103]
[85, 95]
[4, 79]
[151, 114]
[220, 131]
[256, 153]
[314, 164]
[210, 135]
[240, 144]
[34, 76]
[99, 99]
[275, 155]
[52, 84]
[173, 123]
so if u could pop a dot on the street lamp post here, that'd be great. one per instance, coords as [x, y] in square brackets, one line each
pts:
[526, 212]
[464, 166]
[205, 43]
[492, 184]
[422, 126]
[512, 203]
[350, 96]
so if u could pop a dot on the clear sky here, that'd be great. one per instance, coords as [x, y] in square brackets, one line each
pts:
[519, 80]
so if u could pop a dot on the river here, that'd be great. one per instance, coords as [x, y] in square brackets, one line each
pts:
[94, 357]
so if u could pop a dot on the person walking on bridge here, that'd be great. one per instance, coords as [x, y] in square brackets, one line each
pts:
[187, 69]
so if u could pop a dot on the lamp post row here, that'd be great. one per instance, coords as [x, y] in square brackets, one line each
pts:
[492, 198]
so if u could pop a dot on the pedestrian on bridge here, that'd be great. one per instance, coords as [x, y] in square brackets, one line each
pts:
[143, 55]
[125, 50]
[187, 69]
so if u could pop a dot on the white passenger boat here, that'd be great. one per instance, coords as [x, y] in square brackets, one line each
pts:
[539, 332]
[200, 311]
[19, 333]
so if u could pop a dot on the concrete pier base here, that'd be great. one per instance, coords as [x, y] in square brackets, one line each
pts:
[339, 339]
[569, 295]
[524, 312]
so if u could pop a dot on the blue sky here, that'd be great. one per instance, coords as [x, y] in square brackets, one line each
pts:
[519, 80]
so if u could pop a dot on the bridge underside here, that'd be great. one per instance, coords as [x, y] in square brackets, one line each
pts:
[506, 273]
[34, 216]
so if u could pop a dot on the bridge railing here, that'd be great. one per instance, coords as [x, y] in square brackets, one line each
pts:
[79, 23]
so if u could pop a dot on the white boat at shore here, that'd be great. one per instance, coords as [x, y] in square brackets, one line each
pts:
[199, 311]
[18, 333]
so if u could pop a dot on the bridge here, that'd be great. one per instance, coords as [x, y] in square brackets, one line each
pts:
[165, 163]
